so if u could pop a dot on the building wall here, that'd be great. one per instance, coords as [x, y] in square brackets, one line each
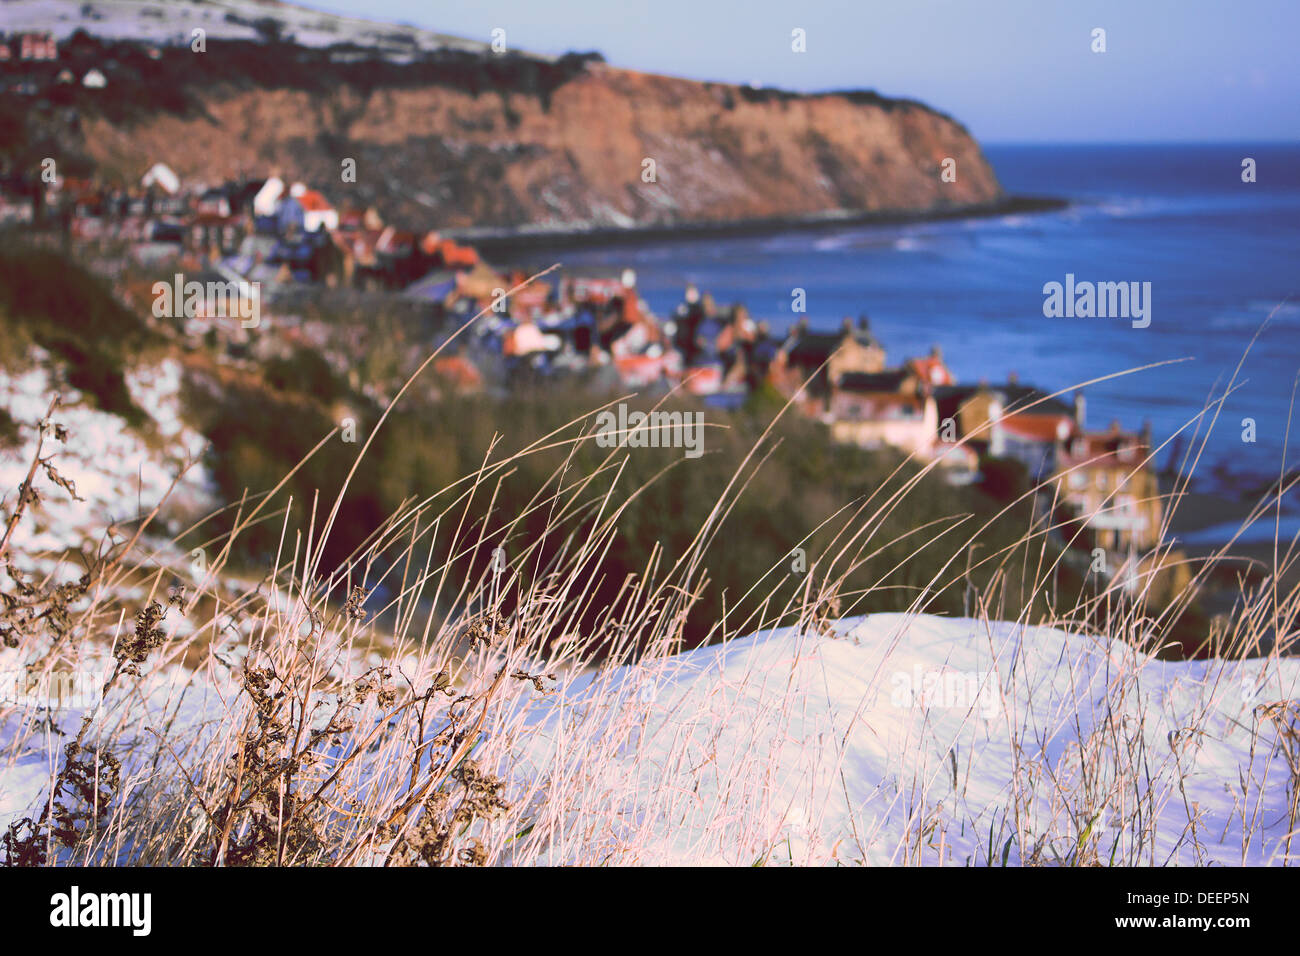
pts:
[978, 411]
[912, 436]
[1122, 507]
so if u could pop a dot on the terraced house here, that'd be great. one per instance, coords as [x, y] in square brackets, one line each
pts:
[894, 407]
[821, 358]
[1107, 481]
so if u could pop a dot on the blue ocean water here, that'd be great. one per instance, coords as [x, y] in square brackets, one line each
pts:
[1220, 254]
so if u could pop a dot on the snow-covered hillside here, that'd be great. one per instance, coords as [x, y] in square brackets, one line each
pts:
[894, 740]
[915, 739]
[172, 21]
[116, 471]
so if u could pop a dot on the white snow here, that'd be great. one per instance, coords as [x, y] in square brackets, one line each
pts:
[114, 469]
[173, 21]
[840, 749]
[785, 747]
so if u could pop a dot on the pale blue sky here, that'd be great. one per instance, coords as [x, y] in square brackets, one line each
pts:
[1012, 70]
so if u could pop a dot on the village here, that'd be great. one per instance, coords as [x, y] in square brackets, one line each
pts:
[274, 233]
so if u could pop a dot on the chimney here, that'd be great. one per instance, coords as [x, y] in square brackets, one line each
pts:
[1146, 434]
[1080, 409]
[848, 325]
[936, 352]
[1013, 378]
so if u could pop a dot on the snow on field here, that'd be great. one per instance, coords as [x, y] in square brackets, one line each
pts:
[31, 754]
[783, 747]
[113, 467]
[895, 740]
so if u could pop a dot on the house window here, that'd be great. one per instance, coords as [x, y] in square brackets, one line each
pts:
[1078, 480]
[1101, 480]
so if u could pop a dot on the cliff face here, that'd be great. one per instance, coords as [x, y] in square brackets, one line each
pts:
[577, 158]
[462, 139]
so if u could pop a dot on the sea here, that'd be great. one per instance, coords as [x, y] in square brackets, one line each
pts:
[1222, 257]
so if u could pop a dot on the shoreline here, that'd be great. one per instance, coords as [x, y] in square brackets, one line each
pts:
[507, 242]
[530, 247]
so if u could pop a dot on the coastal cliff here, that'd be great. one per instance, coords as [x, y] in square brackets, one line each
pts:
[511, 159]
[451, 135]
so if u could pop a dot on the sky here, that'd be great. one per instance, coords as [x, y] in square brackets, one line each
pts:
[1010, 70]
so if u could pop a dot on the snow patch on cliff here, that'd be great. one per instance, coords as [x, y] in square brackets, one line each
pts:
[120, 473]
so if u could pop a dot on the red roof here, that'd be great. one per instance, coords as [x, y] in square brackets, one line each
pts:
[312, 201]
[703, 379]
[1047, 429]
[642, 369]
[452, 253]
[931, 370]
